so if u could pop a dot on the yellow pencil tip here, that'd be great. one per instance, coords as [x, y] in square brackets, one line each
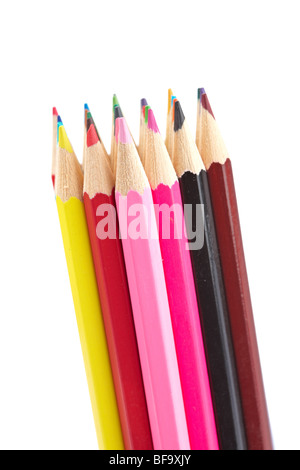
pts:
[63, 140]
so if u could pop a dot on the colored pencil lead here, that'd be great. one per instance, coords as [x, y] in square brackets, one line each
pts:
[146, 113]
[143, 102]
[178, 116]
[63, 140]
[170, 94]
[115, 101]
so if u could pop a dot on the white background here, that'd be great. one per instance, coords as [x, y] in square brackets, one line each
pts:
[65, 53]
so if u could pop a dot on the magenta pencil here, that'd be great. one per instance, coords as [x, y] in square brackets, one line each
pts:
[181, 290]
[149, 298]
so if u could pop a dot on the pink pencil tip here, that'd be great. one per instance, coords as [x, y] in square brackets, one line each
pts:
[55, 113]
[152, 122]
[123, 132]
[117, 129]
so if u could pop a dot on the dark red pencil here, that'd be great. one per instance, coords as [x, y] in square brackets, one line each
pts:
[225, 208]
[114, 294]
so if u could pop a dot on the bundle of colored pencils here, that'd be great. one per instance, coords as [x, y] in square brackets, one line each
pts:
[159, 282]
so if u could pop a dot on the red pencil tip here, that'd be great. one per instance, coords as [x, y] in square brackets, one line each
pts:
[91, 136]
[55, 113]
[206, 104]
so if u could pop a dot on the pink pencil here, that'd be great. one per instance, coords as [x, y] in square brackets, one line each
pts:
[149, 298]
[181, 290]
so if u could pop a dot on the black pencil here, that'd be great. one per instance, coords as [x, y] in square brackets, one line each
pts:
[210, 290]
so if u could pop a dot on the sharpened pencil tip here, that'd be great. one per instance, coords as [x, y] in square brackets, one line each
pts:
[173, 97]
[54, 111]
[115, 101]
[173, 107]
[91, 136]
[170, 94]
[201, 91]
[206, 104]
[123, 132]
[152, 121]
[59, 124]
[86, 107]
[179, 117]
[143, 102]
[146, 113]
[63, 140]
[118, 112]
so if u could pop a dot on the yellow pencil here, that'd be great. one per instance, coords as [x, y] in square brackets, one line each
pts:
[69, 199]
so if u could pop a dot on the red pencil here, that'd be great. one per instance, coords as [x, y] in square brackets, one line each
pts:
[114, 294]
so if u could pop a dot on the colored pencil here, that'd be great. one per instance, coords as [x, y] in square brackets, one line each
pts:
[149, 299]
[181, 291]
[54, 144]
[69, 199]
[210, 290]
[220, 177]
[114, 294]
